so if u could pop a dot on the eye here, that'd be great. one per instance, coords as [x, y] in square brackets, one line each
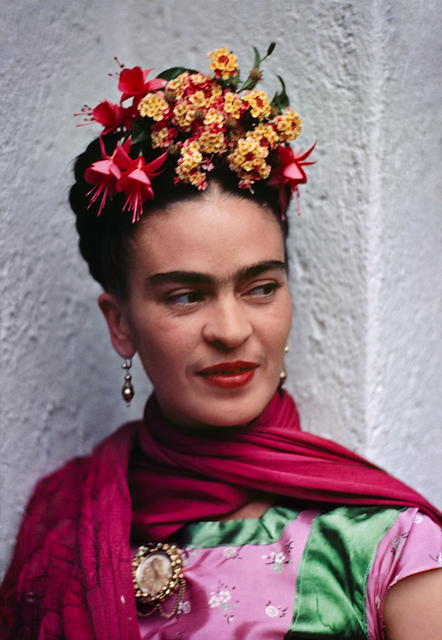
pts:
[185, 298]
[263, 291]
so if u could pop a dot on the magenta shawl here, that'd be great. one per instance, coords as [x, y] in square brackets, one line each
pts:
[70, 577]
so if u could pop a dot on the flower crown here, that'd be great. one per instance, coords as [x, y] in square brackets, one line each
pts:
[200, 120]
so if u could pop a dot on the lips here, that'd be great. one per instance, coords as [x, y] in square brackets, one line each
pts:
[229, 375]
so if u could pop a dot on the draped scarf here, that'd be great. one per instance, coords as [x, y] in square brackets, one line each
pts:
[70, 577]
[205, 474]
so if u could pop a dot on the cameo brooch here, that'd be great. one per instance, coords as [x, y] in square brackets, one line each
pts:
[157, 571]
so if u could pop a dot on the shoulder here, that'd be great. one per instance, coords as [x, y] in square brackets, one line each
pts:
[50, 528]
[413, 607]
[410, 547]
[58, 496]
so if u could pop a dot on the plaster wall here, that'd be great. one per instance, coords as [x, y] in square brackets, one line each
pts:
[366, 349]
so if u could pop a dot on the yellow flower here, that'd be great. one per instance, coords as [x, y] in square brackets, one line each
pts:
[190, 157]
[213, 116]
[288, 124]
[217, 92]
[198, 99]
[199, 78]
[184, 115]
[232, 104]
[160, 138]
[178, 82]
[154, 105]
[265, 135]
[248, 160]
[212, 142]
[178, 86]
[224, 64]
[189, 165]
[258, 103]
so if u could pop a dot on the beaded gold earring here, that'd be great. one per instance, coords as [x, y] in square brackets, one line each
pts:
[127, 391]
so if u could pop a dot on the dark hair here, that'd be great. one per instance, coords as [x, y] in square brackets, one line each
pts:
[105, 238]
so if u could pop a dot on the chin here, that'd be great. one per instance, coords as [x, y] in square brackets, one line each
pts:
[221, 412]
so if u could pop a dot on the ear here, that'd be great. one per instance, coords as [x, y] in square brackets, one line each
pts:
[118, 326]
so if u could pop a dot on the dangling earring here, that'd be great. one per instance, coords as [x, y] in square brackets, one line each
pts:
[127, 391]
[283, 374]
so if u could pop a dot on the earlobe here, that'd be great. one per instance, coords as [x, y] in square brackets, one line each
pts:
[119, 331]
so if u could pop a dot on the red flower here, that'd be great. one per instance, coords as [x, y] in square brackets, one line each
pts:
[289, 173]
[104, 174]
[135, 181]
[110, 115]
[133, 84]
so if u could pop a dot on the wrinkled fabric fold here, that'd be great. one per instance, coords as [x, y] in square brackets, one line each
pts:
[70, 577]
[177, 476]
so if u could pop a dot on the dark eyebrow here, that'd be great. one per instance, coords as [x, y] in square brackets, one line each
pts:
[195, 277]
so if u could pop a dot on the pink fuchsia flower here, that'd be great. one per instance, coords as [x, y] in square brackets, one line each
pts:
[104, 174]
[135, 180]
[289, 173]
[133, 84]
[110, 115]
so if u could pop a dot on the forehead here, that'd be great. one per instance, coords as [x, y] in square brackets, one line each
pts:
[217, 235]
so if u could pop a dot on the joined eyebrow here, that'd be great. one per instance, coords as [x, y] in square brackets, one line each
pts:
[196, 277]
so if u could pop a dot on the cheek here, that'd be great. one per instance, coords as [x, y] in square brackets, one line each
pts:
[165, 345]
[282, 321]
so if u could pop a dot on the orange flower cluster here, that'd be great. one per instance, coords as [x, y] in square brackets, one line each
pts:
[204, 118]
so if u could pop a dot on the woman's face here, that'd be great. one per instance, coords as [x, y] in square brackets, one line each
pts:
[208, 309]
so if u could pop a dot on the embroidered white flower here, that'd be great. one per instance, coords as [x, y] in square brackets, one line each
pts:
[219, 598]
[186, 607]
[189, 554]
[224, 596]
[229, 552]
[377, 602]
[418, 518]
[214, 600]
[439, 560]
[271, 611]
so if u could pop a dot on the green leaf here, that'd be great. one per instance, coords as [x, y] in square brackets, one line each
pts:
[270, 49]
[280, 100]
[257, 61]
[140, 130]
[248, 84]
[174, 72]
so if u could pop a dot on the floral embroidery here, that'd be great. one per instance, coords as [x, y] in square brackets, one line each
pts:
[218, 598]
[278, 560]
[232, 553]
[189, 554]
[184, 607]
[397, 544]
[418, 518]
[221, 598]
[275, 612]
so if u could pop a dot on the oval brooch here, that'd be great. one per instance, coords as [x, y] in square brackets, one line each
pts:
[157, 571]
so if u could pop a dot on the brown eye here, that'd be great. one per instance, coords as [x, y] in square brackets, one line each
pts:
[263, 290]
[185, 298]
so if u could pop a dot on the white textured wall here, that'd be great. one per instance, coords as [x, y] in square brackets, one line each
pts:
[366, 352]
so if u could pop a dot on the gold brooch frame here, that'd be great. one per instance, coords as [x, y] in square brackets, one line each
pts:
[157, 572]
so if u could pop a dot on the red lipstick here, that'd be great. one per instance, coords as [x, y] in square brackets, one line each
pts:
[229, 375]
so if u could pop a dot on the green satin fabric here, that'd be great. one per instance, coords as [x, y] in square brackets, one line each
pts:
[332, 577]
[260, 531]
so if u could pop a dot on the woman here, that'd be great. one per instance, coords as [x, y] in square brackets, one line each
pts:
[214, 514]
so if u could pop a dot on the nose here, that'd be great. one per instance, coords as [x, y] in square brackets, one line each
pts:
[228, 325]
